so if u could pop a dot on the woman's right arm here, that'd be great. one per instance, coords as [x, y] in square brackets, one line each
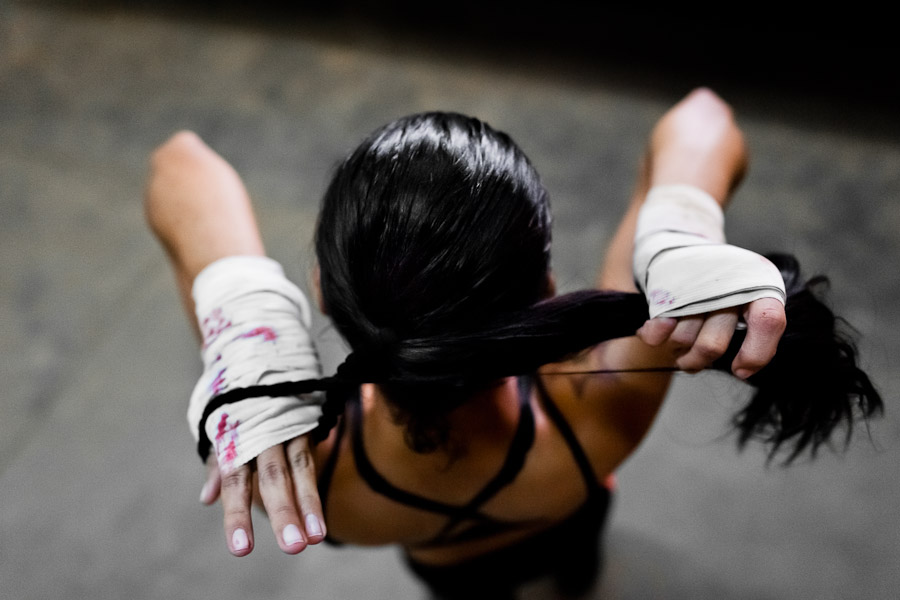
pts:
[199, 210]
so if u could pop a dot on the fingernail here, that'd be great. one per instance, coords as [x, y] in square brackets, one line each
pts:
[743, 373]
[239, 540]
[291, 535]
[312, 525]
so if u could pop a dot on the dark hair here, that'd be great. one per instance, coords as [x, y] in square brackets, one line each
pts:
[433, 244]
[433, 227]
[813, 384]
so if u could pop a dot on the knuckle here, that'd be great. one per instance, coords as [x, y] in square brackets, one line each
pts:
[769, 320]
[272, 473]
[302, 460]
[701, 351]
[307, 501]
[236, 513]
[282, 512]
[236, 480]
[709, 350]
[700, 356]
[682, 339]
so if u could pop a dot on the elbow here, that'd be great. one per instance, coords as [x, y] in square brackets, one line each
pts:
[173, 154]
[178, 145]
[166, 162]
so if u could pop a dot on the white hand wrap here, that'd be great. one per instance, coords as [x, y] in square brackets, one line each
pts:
[255, 326]
[681, 260]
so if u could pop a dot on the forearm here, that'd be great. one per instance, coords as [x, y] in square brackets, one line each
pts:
[696, 143]
[200, 212]
[616, 272]
[198, 208]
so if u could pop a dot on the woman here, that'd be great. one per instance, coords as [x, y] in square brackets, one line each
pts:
[472, 391]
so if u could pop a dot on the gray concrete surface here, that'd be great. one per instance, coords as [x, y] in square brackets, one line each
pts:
[98, 480]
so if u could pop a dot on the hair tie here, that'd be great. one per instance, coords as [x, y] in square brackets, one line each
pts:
[358, 367]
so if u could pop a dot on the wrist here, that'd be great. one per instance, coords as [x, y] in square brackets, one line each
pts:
[259, 362]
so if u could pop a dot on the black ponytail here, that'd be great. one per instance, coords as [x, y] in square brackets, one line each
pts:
[811, 389]
[426, 377]
[814, 384]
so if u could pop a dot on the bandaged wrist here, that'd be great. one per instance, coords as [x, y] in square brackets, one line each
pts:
[255, 328]
[681, 260]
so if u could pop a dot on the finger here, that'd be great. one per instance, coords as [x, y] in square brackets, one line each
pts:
[277, 493]
[685, 333]
[303, 472]
[235, 493]
[656, 331]
[766, 322]
[305, 489]
[210, 491]
[711, 342]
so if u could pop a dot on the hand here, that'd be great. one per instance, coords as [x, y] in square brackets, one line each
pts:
[283, 480]
[697, 142]
[699, 340]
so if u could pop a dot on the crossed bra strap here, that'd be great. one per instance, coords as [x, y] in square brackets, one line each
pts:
[594, 489]
[484, 525]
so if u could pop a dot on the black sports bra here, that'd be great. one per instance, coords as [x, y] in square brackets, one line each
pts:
[480, 525]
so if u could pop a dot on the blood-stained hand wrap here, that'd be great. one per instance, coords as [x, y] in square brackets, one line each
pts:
[255, 327]
[681, 260]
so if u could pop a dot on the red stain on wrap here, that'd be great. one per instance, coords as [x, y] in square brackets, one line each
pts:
[660, 297]
[266, 333]
[226, 441]
[213, 325]
[218, 384]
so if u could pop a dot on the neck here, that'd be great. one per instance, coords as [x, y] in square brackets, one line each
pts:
[488, 418]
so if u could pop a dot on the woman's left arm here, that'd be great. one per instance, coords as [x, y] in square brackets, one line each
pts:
[696, 143]
[200, 211]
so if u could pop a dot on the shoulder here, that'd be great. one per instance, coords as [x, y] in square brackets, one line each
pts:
[604, 391]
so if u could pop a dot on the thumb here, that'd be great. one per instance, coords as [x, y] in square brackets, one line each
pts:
[210, 491]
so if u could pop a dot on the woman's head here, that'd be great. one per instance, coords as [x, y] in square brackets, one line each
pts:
[434, 224]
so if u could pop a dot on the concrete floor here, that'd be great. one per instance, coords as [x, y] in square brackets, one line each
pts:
[98, 479]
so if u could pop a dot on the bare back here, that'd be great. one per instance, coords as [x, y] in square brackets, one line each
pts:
[606, 415]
